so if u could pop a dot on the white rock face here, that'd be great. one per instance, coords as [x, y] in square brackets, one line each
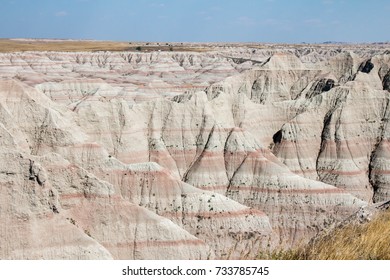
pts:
[180, 155]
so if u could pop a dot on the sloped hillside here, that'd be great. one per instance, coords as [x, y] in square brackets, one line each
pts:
[351, 241]
[186, 155]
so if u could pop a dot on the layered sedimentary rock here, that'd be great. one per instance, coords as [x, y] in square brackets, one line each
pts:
[185, 155]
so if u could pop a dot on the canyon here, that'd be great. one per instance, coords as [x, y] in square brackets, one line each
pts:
[218, 151]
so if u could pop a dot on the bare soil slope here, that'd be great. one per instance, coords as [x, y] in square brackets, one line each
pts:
[184, 154]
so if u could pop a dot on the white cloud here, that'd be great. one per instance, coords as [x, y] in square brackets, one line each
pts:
[61, 14]
[157, 5]
[313, 21]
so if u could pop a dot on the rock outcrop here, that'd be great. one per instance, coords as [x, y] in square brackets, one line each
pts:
[180, 155]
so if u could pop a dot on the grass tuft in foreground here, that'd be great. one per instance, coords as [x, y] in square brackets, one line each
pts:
[369, 241]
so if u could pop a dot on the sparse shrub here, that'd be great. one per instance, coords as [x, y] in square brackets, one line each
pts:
[87, 232]
[72, 221]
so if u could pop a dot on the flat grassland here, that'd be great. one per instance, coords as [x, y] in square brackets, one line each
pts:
[66, 45]
[21, 45]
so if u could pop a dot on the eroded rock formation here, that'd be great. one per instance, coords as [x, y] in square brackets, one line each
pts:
[182, 155]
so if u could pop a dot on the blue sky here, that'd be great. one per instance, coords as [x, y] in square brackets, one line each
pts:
[291, 21]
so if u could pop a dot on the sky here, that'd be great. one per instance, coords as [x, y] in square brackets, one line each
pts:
[267, 21]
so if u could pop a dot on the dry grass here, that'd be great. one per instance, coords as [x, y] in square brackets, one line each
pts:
[20, 45]
[9, 45]
[370, 241]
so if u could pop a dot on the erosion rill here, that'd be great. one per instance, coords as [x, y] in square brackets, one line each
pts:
[188, 155]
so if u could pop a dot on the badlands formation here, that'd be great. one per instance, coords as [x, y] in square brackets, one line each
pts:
[220, 153]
